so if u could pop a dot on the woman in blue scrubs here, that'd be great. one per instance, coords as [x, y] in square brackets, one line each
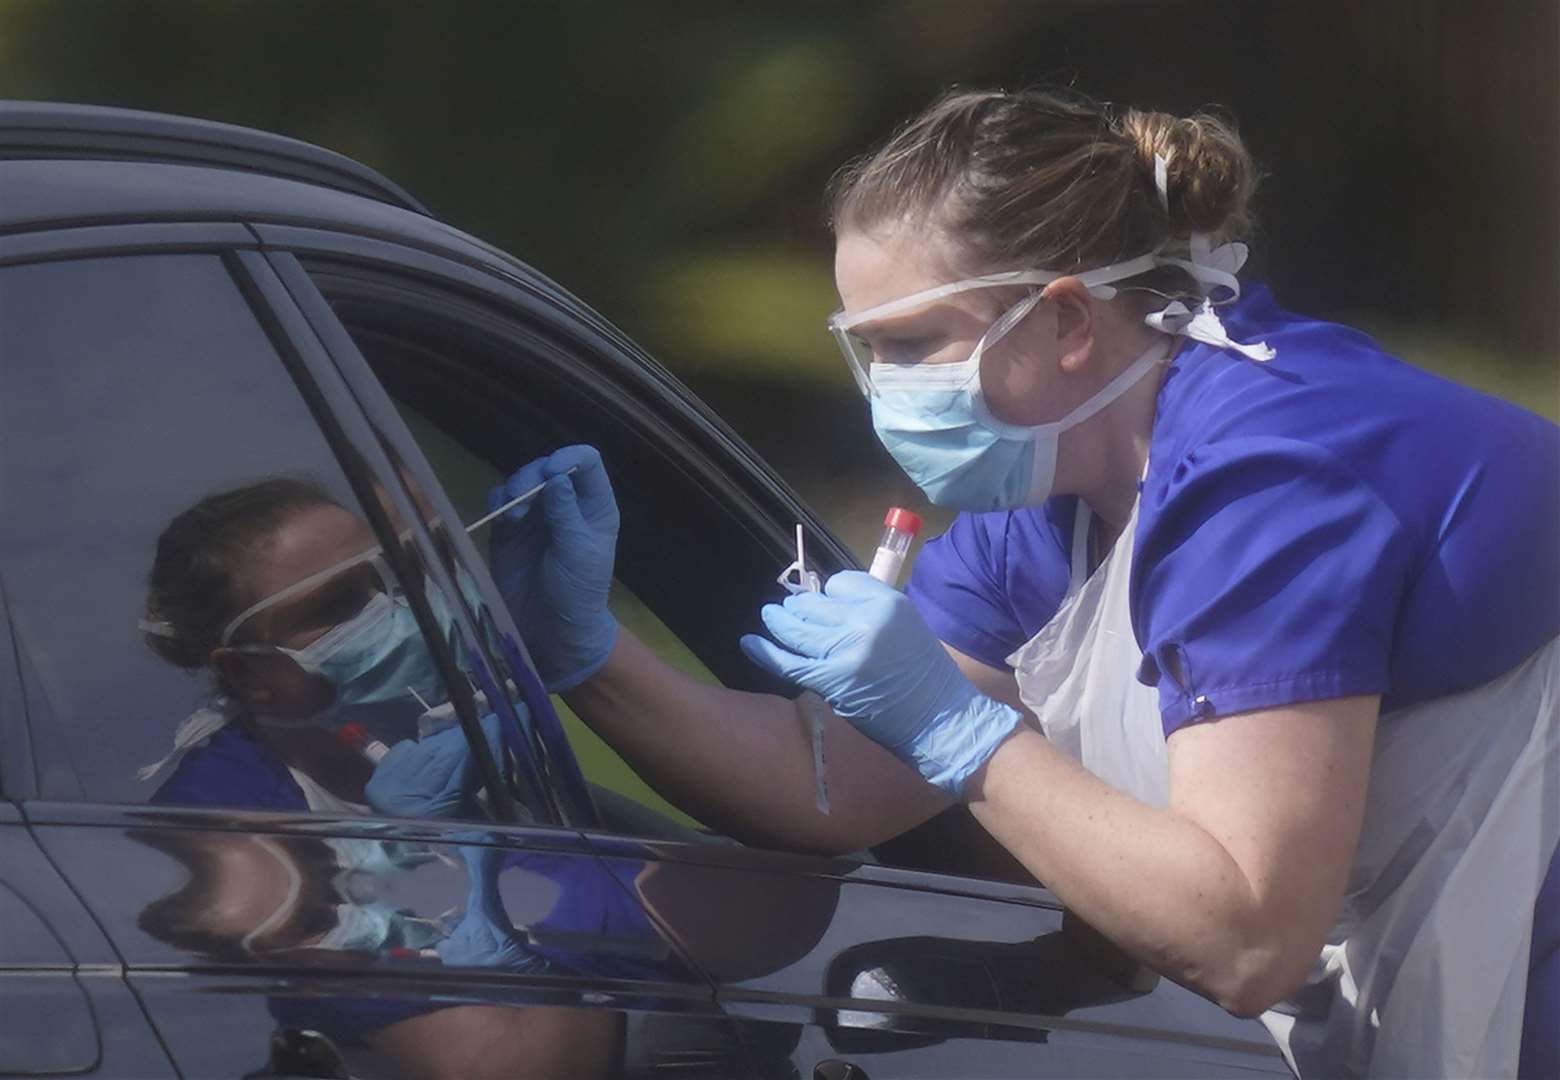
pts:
[1246, 646]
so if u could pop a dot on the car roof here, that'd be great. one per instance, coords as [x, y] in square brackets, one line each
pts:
[68, 166]
[40, 130]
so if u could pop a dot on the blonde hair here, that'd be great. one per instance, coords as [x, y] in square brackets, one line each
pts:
[1043, 180]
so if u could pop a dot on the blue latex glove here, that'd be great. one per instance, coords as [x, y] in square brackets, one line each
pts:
[432, 777]
[553, 564]
[863, 647]
[485, 937]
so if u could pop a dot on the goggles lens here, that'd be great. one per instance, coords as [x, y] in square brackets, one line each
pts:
[858, 356]
[331, 597]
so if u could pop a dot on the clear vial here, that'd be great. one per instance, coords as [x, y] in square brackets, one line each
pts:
[899, 530]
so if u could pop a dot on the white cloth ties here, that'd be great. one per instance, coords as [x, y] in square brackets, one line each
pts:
[199, 726]
[1205, 326]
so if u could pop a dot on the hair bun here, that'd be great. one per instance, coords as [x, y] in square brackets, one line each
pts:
[1211, 175]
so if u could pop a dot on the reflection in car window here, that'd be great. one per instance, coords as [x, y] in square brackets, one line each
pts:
[483, 430]
[467, 479]
[162, 434]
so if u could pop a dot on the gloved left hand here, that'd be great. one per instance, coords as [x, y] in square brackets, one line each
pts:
[485, 937]
[553, 563]
[862, 646]
[432, 777]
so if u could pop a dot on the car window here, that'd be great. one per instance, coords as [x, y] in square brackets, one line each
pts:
[484, 392]
[468, 479]
[202, 612]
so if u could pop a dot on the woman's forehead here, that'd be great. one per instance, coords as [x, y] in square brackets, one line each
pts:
[875, 266]
[305, 543]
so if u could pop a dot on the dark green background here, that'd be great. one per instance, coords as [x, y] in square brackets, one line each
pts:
[665, 160]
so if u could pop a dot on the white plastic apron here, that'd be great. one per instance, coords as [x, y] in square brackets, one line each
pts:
[1424, 973]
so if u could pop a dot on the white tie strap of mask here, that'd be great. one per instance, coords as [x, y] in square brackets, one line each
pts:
[1215, 267]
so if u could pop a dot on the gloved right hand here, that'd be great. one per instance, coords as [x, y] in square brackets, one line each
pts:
[553, 566]
[432, 777]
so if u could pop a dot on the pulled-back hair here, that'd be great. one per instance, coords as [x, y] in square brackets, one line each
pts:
[192, 587]
[1042, 180]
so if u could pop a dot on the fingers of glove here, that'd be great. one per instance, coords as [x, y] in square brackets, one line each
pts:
[522, 480]
[592, 488]
[583, 458]
[801, 635]
[818, 608]
[769, 656]
[564, 520]
[858, 585]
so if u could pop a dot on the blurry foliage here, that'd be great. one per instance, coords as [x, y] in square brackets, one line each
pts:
[666, 160]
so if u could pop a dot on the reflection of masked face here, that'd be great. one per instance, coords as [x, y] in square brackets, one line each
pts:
[379, 665]
[374, 657]
[360, 921]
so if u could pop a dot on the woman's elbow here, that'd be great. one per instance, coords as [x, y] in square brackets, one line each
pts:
[1258, 978]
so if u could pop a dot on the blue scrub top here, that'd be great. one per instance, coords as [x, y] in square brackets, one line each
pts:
[1333, 522]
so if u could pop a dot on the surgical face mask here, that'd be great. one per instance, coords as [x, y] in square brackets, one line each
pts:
[380, 666]
[934, 420]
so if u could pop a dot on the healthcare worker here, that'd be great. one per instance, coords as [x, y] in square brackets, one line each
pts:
[1248, 645]
[1334, 784]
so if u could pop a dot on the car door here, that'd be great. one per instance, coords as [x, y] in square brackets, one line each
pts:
[828, 965]
[150, 374]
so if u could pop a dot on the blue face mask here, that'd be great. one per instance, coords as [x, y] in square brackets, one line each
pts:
[926, 417]
[933, 419]
[380, 666]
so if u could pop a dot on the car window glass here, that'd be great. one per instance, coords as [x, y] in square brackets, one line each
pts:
[468, 479]
[484, 394]
[146, 411]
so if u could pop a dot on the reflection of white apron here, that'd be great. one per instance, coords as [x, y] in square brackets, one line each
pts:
[1462, 816]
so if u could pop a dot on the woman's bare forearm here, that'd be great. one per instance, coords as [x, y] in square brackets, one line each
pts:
[743, 763]
[1229, 889]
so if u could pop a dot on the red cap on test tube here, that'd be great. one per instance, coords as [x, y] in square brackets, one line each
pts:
[357, 739]
[903, 520]
[899, 529]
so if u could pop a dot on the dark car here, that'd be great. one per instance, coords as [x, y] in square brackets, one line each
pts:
[187, 308]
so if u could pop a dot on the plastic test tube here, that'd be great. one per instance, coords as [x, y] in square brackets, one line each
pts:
[357, 737]
[899, 529]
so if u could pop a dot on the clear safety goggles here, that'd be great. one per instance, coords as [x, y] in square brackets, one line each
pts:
[857, 349]
[378, 579]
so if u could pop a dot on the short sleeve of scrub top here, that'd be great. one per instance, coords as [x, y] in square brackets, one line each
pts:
[990, 582]
[1268, 575]
[1336, 522]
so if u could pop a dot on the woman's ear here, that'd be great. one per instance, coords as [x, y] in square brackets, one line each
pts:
[1075, 313]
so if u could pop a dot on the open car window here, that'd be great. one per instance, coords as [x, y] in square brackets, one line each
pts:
[484, 392]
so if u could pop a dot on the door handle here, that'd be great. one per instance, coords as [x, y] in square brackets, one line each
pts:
[835, 1069]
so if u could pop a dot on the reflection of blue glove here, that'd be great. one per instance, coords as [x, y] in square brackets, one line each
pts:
[484, 936]
[863, 647]
[554, 567]
[432, 777]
